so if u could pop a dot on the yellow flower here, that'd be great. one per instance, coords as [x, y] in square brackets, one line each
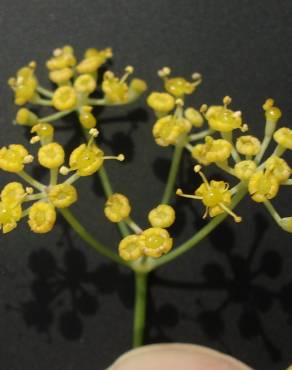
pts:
[157, 242]
[161, 102]
[51, 155]
[64, 98]
[279, 168]
[86, 159]
[25, 117]
[85, 83]
[115, 89]
[194, 117]
[283, 136]
[93, 59]
[86, 118]
[168, 130]
[62, 195]
[41, 217]
[162, 216]
[13, 194]
[61, 76]
[222, 119]
[117, 207]
[217, 150]
[248, 145]
[273, 114]
[137, 87]
[263, 186]
[10, 214]
[245, 169]
[214, 195]
[13, 158]
[25, 84]
[44, 131]
[62, 58]
[178, 86]
[130, 247]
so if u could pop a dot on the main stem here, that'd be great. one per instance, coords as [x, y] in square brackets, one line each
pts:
[140, 308]
[172, 173]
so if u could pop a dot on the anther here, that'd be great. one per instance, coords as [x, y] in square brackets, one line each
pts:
[28, 159]
[64, 170]
[35, 139]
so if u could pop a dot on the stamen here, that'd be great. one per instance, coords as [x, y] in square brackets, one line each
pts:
[226, 100]
[32, 64]
[237, 114]
[197, 169]
[119, 157]
[180, 193]
[179, 102]
[35, 139]
[29, 190]
[164, 72]
[196, 76]
[64, 170]
[230, 212]
[57, 52]
[93, 132]
[203, 108]
[28, 159]
[205, 215]
[128, 70]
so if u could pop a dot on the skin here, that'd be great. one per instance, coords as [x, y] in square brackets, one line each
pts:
[176, 357]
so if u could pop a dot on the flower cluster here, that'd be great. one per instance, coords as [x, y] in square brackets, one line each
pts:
[240, 156]
[84, 160]
[174, 123]
[75, 82]
[215, 195]
[152, 242]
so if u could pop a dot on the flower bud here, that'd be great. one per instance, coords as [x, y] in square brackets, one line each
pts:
[117, 207]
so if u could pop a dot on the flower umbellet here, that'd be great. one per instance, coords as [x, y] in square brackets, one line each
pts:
[75, 83]
[211, 135]
[84, 161]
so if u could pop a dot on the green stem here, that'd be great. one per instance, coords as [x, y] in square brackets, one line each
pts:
[140, 308]
[30, 198]
[200, 234]
[229, 137]
[45, 92]
[132, 225]
[273, 211]
[108, 192]
[44, 102]
[54, 176]
[105, 181]
[106, 185]
[30, 180]
[264, 147]
[200, 135]
[96, 102]
[88, 238]
[172, 173]
[55, 116]
[279, 151]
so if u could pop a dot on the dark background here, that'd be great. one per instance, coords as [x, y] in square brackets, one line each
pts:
[62, 306]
